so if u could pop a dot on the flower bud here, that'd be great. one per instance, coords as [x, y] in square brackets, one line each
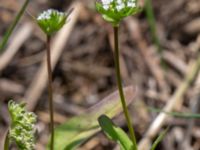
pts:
[22, 126]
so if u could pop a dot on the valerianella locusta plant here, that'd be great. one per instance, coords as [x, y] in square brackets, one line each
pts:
[115, 10]
[22, 126]
[51, 20]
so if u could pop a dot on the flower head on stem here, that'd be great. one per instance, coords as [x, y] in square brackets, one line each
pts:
[115, 10]
[51, 20]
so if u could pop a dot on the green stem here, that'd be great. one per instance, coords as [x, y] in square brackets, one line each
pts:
[6, 142]
[119, 82]
[50, 89]
[11, 28]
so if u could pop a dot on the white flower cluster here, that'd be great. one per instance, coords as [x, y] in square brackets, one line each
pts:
[119, 4]
[22, 126]
[45, 15]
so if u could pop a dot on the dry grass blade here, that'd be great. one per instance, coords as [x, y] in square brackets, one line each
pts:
[18, 40]
[175, 100]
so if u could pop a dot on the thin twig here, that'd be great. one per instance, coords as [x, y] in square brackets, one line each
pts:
[19, 38]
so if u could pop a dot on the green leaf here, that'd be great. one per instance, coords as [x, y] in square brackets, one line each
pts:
[159, 139]
[115, 133]
[77, 130]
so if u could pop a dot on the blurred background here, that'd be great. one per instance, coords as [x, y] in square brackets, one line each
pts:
[160, 59]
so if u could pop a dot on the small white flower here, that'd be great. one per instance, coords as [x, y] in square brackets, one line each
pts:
[119, 1]
[120, 6]
[106, 7]
[47, 14]
[131, 4]
[106, 2]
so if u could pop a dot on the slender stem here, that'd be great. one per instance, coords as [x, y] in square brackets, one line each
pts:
[11, 28]
[6, 142]
[50, 92]
[123, 101]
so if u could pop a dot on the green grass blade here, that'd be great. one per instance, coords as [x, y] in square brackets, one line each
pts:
[152, 24]
[13, 25]
[77, 130]
[159, 139]
[176, 114]
[115, 133]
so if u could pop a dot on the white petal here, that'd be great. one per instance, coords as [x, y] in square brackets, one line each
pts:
[106, 7]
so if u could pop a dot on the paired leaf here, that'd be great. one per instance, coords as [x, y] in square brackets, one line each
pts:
[115, 133]
[77, 130]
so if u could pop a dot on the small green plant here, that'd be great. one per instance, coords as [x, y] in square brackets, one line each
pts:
[13, 25]
[113, 11]
[51, 21]
[21, 130]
